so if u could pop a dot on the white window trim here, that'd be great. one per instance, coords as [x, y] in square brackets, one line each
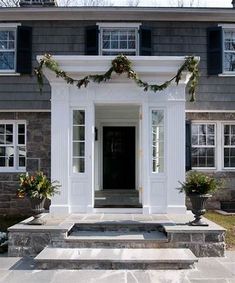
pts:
[117, 25]
[15, 169]
[222, 128]
[202, 146]
[219, 137]
[10, 26]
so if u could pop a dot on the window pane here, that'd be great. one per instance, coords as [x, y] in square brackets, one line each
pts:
[9, 139]
[78, 133]
[229, 61]
[21, 139]
[2, 139]
[210, 140]
[79, 117]
[226, 140]
[226, 129]
[78, 149]
[22, 156]
[7, 60]
[157, 117]
[9, 129]
[78, 165]
[202, 140]
[21, 128]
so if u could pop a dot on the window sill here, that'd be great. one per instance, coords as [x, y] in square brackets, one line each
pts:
[230, 74]
[204, 168]
[12, 170]
[6, 74]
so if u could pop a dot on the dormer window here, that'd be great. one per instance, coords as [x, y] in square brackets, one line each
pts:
[114, 41]
[118, 38]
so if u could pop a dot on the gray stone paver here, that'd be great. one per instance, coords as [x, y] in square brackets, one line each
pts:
[208, 270]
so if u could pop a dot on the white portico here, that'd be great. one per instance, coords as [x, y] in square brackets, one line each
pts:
[113, 135]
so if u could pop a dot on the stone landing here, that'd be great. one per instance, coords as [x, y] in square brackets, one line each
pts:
[160, 232]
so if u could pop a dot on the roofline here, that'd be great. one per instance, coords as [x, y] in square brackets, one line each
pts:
[118, 13]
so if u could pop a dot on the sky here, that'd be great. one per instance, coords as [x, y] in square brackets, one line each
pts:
[200, 3]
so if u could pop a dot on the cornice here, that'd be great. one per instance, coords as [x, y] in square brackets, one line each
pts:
[118, 14]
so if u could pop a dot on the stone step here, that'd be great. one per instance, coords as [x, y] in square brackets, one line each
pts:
[60, 258]
[120, 226]
[114, 239]
[116, 193]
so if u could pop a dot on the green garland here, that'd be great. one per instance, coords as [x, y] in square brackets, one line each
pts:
[120, 65]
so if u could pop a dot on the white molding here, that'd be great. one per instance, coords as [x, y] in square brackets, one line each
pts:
[8, 74]
[210, 111]
[227, 26]
[150, 67]
[118, 13]
[23, 110]
[118, 25]
[9, 25]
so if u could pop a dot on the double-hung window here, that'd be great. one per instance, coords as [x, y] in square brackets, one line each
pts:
[119, 39]
[203, 145]
[229, 145]
[7, 49]
[12, 146]
[229, 50]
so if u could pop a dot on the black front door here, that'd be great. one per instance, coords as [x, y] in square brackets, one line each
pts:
[119, 158]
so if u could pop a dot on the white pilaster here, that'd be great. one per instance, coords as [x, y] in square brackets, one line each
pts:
[60, 128]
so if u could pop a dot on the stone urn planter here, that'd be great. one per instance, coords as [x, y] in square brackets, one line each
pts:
[37, 206]
[37, 188]
[198, 208]
[199, 187]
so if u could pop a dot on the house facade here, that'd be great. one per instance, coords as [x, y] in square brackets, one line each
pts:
[114, 137]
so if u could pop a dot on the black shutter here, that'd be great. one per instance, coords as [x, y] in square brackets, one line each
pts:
[92, 40]
[214, 50]
[145, 41]
[24, 50]
[188, 159]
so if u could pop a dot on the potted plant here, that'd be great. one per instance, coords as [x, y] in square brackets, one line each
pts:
[199, 187]
[37, 188]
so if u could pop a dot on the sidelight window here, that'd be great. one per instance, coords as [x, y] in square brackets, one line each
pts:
[78, 141]
[157, 141]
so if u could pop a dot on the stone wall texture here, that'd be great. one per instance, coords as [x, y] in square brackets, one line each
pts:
[38, 158]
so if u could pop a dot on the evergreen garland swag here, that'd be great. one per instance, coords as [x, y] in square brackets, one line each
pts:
[121, 64]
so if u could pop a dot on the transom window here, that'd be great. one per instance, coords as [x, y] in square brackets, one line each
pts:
[78, 141]
[12, 146]
[116, 41]
[229, 146]
[157, 141]
[7, 49]
[203, 145]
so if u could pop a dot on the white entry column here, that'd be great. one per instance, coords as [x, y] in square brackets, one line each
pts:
[60, 137]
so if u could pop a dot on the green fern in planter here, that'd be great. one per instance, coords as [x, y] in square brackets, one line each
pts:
[198, 183]
[37, 186]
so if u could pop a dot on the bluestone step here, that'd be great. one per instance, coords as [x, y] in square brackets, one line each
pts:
[60, 258]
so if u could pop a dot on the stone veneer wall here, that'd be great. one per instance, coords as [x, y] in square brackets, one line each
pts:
[38, 158]
[228, 191]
